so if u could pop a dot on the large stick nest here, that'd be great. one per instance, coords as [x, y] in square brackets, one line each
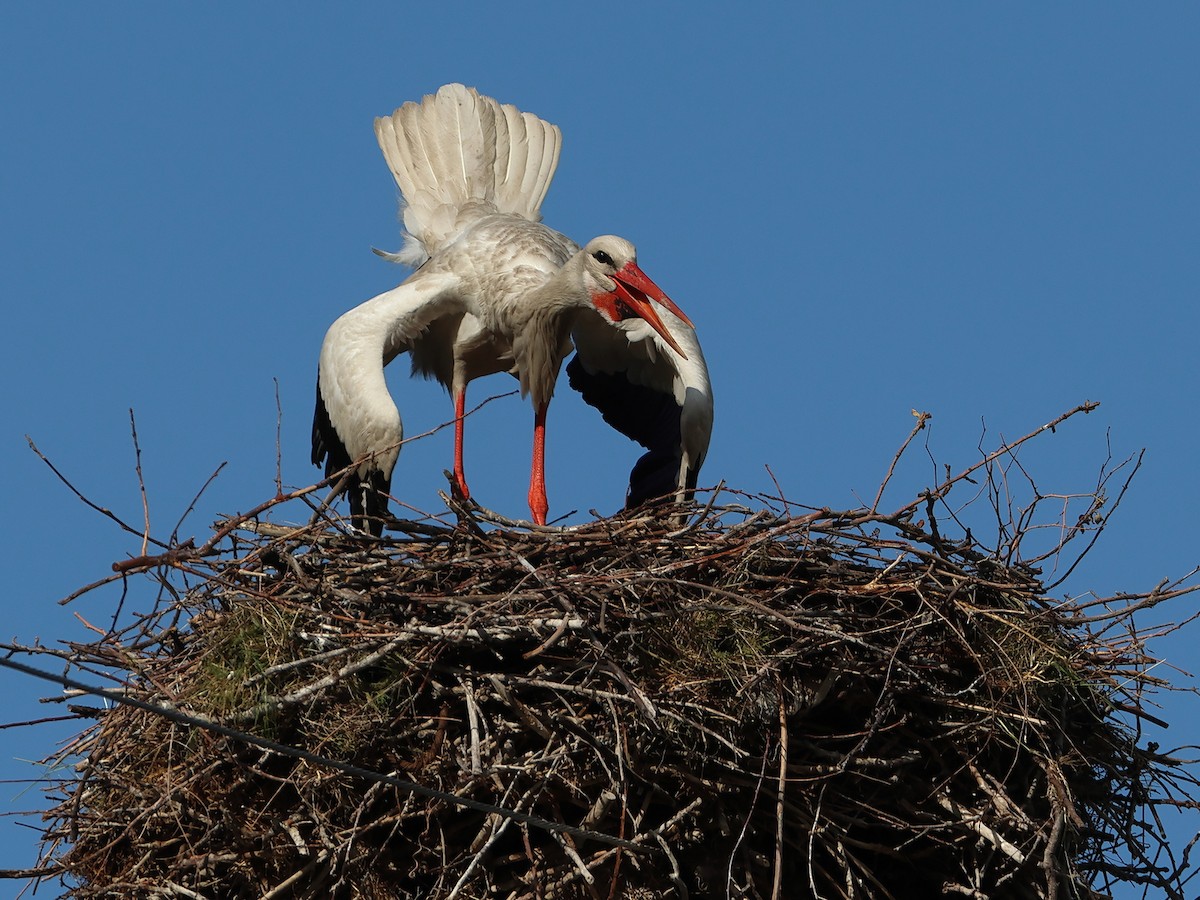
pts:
[757, 704]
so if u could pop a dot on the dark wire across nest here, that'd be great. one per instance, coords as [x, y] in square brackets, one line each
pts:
[755, 704]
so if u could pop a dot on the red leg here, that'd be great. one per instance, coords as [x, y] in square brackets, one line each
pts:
[460, 406]
[538, 504]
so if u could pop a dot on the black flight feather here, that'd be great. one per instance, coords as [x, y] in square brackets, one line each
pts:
[642, 414]
[368, 497]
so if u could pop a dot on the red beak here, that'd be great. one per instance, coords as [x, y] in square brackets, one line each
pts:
[633, 277]
[636, 290]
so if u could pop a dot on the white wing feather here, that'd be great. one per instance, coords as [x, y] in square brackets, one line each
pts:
[508, 182]
[535, 145]
[458, 155]
[551, 145]
[356, 348]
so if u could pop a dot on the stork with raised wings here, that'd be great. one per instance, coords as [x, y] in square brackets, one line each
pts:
[494, 290]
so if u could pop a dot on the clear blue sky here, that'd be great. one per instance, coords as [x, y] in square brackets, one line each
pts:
[991, 213]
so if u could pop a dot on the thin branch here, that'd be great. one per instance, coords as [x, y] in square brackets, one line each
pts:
[86, 502]
[278, 442]
[922, 418]
[137, 455]
[191, 507]
[941, 490]
[1100, 528]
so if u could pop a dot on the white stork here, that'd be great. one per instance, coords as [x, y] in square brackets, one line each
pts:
[496, 291]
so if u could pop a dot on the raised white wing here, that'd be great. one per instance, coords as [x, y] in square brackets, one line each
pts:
[458, 155]
[355, 414]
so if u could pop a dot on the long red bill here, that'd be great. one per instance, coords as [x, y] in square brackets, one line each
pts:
[634, 291]
[636, 304]
[633, 277]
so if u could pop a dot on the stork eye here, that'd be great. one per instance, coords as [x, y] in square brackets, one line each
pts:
[603, 258]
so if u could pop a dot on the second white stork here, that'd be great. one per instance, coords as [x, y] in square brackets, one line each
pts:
[494, 290]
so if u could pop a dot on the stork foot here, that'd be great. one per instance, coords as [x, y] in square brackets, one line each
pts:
[460, 484]
[539, 506]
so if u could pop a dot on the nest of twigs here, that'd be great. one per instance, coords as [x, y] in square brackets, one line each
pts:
[756, 704]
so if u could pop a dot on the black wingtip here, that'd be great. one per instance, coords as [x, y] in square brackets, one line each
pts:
[369, 502]
[654, 478]
[369, 496]
[650, 417]
[327, 447]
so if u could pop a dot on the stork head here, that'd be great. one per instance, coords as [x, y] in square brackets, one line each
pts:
[620, 290]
